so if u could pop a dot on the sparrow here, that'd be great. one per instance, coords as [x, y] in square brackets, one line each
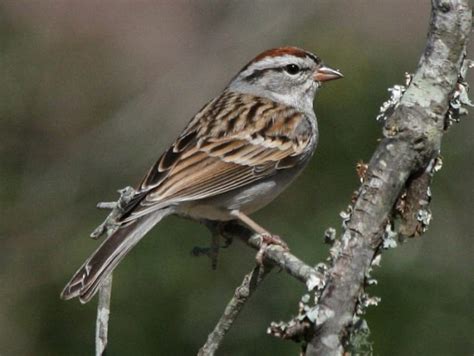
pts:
[238, 153]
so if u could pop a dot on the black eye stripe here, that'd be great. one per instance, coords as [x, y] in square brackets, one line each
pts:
[258, 73]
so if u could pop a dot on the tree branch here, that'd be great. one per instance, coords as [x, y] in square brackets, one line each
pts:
[233, 309]
[107, 227]
[412, 140]
[102, 320]
[275, 255]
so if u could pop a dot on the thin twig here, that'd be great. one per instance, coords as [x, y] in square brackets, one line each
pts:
[110, 224]
[108, 227]
[233, 309]
[275, 255]
[103, 312]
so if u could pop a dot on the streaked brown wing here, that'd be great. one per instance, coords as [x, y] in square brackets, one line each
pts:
[215, 158]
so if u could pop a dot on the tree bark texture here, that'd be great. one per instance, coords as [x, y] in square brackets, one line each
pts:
[412, 140]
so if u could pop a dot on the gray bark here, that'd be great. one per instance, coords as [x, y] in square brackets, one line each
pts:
[412, 139]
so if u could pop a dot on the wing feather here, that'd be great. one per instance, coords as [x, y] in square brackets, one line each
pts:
[205, 162]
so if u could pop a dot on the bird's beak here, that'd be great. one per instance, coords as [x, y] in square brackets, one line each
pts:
[324, 74]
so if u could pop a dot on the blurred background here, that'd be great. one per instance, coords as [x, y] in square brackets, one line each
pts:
[93, 91]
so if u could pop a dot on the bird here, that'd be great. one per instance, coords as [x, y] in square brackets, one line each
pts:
[237, 154]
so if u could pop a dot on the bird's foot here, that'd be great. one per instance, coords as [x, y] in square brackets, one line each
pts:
[269, 240]
[213, 250]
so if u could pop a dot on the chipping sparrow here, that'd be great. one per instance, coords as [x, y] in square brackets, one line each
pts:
[236, 155]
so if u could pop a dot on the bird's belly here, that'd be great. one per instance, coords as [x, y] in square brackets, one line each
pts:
[247, 199]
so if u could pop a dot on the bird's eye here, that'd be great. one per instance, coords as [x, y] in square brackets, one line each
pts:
[292, 69]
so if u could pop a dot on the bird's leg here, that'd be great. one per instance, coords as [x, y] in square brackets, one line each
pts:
[212, 251]
[268, 239]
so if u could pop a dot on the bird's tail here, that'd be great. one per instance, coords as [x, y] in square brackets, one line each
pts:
[86, 281]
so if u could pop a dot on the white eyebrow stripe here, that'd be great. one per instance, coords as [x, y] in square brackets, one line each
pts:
[272, 62]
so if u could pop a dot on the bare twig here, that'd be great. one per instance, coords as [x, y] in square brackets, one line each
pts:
[108, 227]
[103, 312]
[232, 310]
[276, 255]
[413, 132]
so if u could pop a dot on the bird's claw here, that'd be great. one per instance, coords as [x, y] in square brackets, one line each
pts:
[267, 241]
